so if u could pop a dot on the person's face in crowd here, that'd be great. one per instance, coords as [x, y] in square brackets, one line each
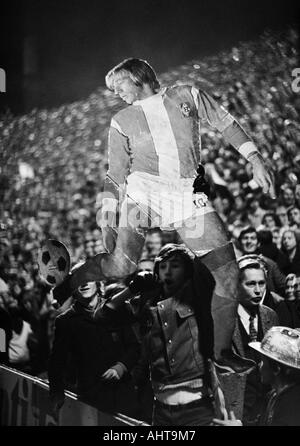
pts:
[294, 216]
[282, 215]
[290, 287]
[252, 287]
[127, 90]
[297, 194]
[153, 243]
[89, 248]
[288, 196]
[276, 238]
[249, 243]
[171, 273]
[289, 241]
[145, 265]
[77, 240]
[86, 294]
[269, 222]
[297, 288]
[87, 290]
[239, 203]
[254, 205]
[225, 204]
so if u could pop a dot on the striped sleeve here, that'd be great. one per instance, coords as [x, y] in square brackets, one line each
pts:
[118, 160]
[218, 117]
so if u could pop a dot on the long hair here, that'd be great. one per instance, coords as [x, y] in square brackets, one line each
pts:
[138, 70]
[202, 285]
[283, 249]
[170, 250]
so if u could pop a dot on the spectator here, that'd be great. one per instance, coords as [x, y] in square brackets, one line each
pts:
[290, 247]
[276, 237]
[145, 264]
[5, 325]
[297, 290]
[177, 326]
[289, 310]
[294, 218]
[270, 221]
[297, 196]
[279, 353]
[101, 356]
[281, 212]
[253, 321]
[255, 212]
[153, 241]
[249, 244]
[287, 196]
[268, 249]
[19, 350]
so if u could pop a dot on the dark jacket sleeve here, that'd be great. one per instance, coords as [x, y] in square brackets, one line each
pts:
[141, 371]
[275, 278]
[120, 320]
[203, 287]
[287, 408]
[131, 352]
[58, 356]
[289, 314]
[114, 318]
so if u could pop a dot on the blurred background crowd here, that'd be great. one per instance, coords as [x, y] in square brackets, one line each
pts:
[53, 163]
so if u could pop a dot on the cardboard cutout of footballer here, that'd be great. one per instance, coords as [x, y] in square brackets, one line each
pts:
[154, 151]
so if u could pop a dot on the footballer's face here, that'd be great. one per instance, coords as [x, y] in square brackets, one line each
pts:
[127, 89]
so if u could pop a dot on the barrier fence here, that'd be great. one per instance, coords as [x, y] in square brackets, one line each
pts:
[24, 401]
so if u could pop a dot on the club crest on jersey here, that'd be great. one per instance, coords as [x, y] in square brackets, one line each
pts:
[185, 109]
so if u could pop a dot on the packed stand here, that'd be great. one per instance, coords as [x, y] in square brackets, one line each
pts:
[55, 163]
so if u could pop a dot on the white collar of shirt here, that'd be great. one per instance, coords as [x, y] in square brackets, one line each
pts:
[245, 318]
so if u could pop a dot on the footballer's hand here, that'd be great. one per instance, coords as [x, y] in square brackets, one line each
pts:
[262, 175]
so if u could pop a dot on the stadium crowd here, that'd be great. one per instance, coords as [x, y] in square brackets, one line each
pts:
[53, 164]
